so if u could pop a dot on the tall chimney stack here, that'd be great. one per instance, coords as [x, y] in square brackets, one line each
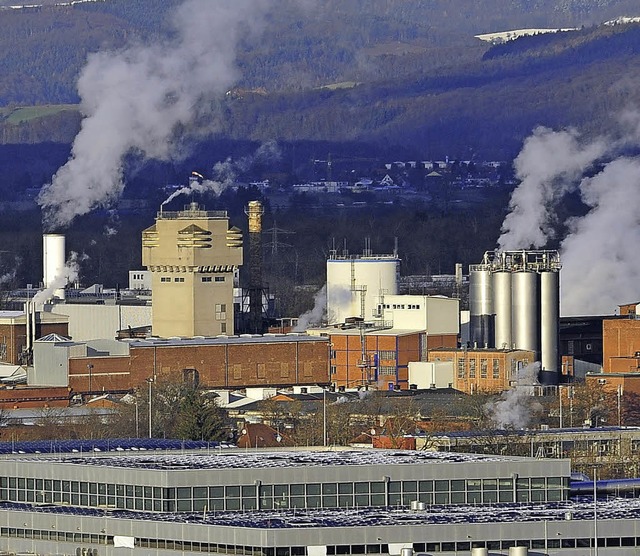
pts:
[254, 212]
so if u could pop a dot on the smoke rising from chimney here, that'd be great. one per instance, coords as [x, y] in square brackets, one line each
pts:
[598, 254]
[135, 98]
[67, 275]
[317, 314]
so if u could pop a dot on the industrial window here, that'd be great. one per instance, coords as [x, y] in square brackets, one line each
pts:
[206, 278]
[461, 365]
[386, 370]
[223, 328]
[179, 279]
[496, 368]
[388, 355]
[165, 279]
[472, 368]
[483, 368]
[219, 278]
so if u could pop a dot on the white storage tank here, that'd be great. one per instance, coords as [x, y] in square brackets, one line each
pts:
[355, 285]
[53, 261]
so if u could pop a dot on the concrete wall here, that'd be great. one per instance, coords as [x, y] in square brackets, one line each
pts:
[431, 375]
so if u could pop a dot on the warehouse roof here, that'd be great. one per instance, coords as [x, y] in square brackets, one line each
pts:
[222, 340]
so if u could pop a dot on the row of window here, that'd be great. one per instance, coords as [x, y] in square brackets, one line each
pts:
[204, 279]
[398, 306]
[281, 496]
[335, 550]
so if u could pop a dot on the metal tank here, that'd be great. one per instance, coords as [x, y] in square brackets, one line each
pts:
[502, 306]
[481, 307]
[525, 306]
[354, 285]
[549, 324]
[53, 262]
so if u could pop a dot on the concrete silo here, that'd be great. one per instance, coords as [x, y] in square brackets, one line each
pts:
[356, 284]
[53, 262]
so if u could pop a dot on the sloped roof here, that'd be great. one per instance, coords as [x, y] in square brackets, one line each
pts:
[53, 338]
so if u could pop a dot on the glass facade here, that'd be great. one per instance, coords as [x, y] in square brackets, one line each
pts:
[259, 496]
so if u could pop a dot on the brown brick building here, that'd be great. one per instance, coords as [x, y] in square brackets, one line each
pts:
[224, 362]
[13, 332]
[484, 370]
[621, 345]
[384, 363]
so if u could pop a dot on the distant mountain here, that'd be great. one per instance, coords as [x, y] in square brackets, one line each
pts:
[391, 72]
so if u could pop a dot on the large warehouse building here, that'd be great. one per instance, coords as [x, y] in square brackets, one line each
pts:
[310, 503]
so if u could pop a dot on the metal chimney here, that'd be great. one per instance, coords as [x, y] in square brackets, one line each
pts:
[53, 261]
[255, 211]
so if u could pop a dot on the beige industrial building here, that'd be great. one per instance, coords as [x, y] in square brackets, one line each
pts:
[193, 256]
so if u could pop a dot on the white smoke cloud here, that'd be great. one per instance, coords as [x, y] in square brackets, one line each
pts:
[226, 172]
[600, 255]
[517, 407]
[134, 100]
[549, 166]
[317, 314]
[68, 274]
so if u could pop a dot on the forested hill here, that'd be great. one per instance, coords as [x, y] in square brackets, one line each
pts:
[390, 72]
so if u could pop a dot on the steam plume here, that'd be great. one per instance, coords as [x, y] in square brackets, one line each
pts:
[134, 100]
[598, 254]
[517, 406]
[226, 172]
[315, 315]
[67, 275]
[549, 166]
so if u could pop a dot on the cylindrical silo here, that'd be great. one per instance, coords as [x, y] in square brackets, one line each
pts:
[53, 262]
[549, 322]
[481, 308]
[525, 302]
[354, 285]
[502, 306]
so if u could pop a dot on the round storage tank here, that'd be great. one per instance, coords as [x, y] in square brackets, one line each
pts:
[502, 305]
[549, 320]
[354, 286]
[53, 261]
[481, 308]
[525, 310]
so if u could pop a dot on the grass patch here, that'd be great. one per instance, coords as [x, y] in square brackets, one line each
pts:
[22, 114]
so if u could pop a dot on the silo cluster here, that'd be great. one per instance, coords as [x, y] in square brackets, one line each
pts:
[514, 303]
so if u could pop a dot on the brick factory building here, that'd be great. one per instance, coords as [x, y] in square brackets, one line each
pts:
[223, 362]
[484, 370]
[13, 333]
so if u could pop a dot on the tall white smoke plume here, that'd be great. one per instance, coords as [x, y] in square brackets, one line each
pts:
[599, 258]
[517, 406]
[315, 315]
[135, 99]
[549, 166]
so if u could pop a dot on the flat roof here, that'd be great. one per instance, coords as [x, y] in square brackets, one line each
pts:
[577, 509]
[260, 459]
[222, 340]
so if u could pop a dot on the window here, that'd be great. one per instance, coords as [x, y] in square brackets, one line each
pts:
[165, 279]
[386, 370]
[461, 363]
[223, 328]
[179, 279]
[483, 368]
[472, 368]
[221, 311]
[206, 278]
[387, 355]
[219, 279]
[496, 368]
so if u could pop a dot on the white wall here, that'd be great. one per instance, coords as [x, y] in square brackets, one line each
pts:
[436, 374]
[436, 315]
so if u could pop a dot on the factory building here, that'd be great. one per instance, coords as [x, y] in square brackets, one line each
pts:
[17, 332]
[193, 256]
[225, 362]
[303, 503]
[356, 284]
[483, 370]
[514, 303]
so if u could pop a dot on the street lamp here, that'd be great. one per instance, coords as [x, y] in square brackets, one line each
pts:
[150, 382]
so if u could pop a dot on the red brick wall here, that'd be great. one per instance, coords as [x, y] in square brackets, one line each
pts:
[620, 338]
[14, 337]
